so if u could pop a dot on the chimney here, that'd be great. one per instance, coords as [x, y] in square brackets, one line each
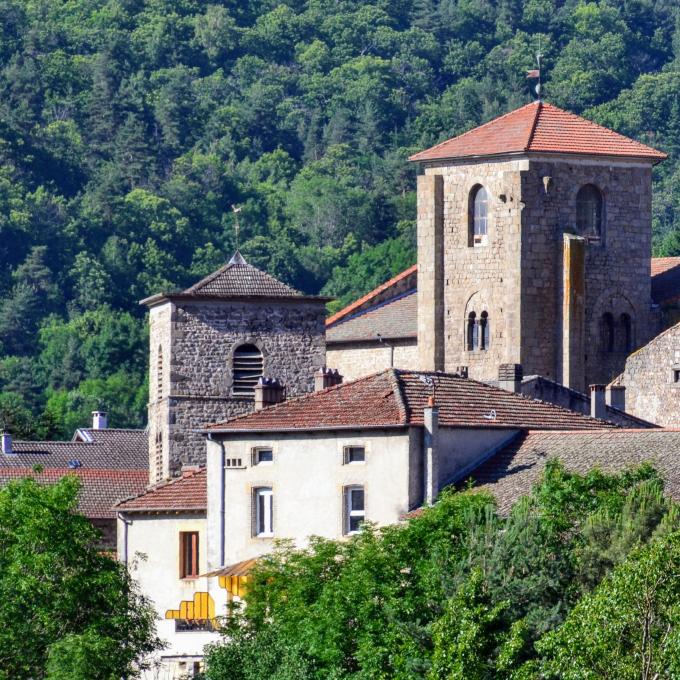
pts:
[510, 377]
[616, 396]
[462, 371]
[430, 452]
[326, 377]
[6, 443]
[99, 420]
[598, 406]
[268, 391]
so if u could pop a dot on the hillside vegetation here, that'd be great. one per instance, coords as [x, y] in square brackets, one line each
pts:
[128, 129]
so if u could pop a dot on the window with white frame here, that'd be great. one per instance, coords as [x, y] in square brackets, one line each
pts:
[263, 501]
[354, 454]
[262, 456]
[355, 513]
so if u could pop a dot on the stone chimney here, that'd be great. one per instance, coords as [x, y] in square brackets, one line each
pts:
[430, 452]
[510, 377]
[99, 420]
[268, 392]
[326, 377]
[6, 443]
[598, 406]
[616, 396]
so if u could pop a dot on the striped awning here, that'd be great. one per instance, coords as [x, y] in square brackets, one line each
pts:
[238, 569]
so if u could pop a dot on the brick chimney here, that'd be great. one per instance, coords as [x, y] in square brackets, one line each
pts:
[430, 452]
[6, 443]
[616, 396]
[326, 377]
[510, 377]
[268, 391]
[598, 406]
[99, 420]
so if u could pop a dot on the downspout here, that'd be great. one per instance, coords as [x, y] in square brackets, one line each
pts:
[126, 524]
[223, 456]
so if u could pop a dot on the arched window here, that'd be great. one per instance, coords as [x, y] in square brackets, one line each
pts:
[484, 331]
[478, 216]
[589, 211]
[607, 332]
[626, 333]
[471, 332]
[248, 366]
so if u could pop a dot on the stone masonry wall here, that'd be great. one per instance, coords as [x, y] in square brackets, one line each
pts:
[649, 378]
[202, 336]
[354, 360]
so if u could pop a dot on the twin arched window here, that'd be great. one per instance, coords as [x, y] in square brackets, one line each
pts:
[247, 369]
[617, 336]
[478, 219]
[589, 211]
[477, 332]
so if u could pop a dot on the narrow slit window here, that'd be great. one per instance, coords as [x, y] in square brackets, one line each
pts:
[471, 332]
[484, 332]
[248, 367]
[188, 554]
[607, 332]
[589, 211]
[264, 515]
[479, 216]
[626, 333]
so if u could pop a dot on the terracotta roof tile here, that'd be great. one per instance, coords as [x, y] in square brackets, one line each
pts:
[665, 279]
[541, 128]
[186, 493]
[100, 489]
[510, 474]
[395, 398]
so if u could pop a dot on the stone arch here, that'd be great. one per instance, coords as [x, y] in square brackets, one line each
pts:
[477, 320]
[623, 317]
[588, 182]
[240, 342]
[479, 210]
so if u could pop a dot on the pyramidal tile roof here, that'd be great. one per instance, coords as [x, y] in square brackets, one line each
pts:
[237, 279]
[539, 127]
[396, 398]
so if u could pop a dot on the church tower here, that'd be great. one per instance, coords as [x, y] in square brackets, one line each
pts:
[534, 247]
[210, 344]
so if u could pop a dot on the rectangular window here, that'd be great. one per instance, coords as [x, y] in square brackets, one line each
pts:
[264, 516]
[188, 554]
[354, 509]
[676, 375]
[263, 456]
[354, 454]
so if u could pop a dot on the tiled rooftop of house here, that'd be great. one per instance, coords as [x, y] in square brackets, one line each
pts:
[510, 473]
[665, 279]
[100, 489]
[539, 127]
[187, 493]
[396, 398]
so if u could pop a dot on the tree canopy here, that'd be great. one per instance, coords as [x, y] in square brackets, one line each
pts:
[128, 129]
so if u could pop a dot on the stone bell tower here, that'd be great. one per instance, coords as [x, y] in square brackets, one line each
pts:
[211, 343]
[534, 247]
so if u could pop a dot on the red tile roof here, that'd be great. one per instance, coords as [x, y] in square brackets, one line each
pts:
[395, 398]
[187, 493]
[665, 279]
[100, 489]
[539, 127]
[375, 293]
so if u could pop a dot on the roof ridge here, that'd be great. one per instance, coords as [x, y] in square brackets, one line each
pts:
[209, 278]
[474, 129]
[370, 295]
[395, 379]
[361, 312]
[534, 125]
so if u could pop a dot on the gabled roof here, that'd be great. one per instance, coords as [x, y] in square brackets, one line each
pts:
[665, 279]
[511, 473]
[539, 127]
[396, 398]
[187, 493]
[100, 489]
[236, 279]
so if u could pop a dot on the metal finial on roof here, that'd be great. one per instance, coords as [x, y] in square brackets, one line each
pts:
[536, 73]
[236, 209]
[237, 258]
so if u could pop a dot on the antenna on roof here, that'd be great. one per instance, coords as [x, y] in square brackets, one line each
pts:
[236, 209]
[536, 72]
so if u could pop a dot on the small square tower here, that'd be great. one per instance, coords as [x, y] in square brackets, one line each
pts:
[534, 247]
[209, 345]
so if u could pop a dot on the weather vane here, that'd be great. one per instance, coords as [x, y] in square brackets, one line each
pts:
[536, 72]
[236, 209]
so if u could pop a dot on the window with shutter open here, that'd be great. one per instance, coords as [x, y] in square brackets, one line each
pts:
[248, 367]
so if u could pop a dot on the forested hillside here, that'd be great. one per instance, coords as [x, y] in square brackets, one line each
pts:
[129, 128]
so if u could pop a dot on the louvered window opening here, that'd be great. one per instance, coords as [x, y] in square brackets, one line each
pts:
[248, 368]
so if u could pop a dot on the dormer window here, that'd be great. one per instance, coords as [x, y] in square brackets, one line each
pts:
[589, 212]
[478, 216]
[248, 367]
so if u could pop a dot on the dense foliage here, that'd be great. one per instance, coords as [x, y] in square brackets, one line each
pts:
[128, 129]
[68, 612]
[581, 580]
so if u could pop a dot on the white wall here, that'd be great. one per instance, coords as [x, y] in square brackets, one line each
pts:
[354, 360]
[153, 561]
[307, 477]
